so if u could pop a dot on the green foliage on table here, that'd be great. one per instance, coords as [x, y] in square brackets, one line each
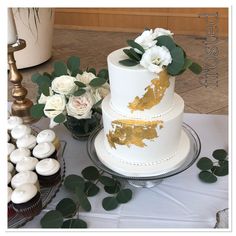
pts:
[210, 170]
[179, 63]
[83, 188]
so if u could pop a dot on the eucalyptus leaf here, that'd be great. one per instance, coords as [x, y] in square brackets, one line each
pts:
[133, 44]
[80, 84]
[113, 189]
[60, 118]
[73, 181]
[35, 77]
[83, 200]
[132, 54]
[52, 219]
[187, 63]
[124, 196]
[166, 41]
[103, 73]
[90, 173]
[67, 207]
[74, 223]
[223, 163]
[92, 70]
[128, 62]
[37, 111]
[107, 181]
[59, 68]
[220, 170]
[97, 82]
[109, 203]
[207, 177]
[73, 64]
[204, 163]
[90, 189]
[220, 154]
[79, 92]
[195, 68]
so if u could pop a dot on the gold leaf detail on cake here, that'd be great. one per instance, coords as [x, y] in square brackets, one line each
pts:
[128, 132]
[153, 94]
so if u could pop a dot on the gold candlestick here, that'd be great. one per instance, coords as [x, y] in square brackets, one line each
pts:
[21, 106]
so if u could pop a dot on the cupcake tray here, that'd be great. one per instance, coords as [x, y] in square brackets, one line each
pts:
[47, 193]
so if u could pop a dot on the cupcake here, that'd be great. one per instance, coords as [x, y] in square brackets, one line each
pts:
[11, 168]
[28, 141]
[27, 163]
[20, 131]
[11, 211]
[45, 150]
[26, 200]
[18, 154]
[48, 135]
[49, 172]
[13, 121]
[9, 177]
[25, 177]
[10, 148]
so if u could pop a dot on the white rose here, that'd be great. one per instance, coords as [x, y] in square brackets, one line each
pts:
[43, 99]
[86, 77]
[64, 85]
[160, 31]
[80, 106]
[55, 105]
[101, 92]
[155, 58]
[146, 40]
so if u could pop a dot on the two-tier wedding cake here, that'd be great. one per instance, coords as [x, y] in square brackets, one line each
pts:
[142, 116]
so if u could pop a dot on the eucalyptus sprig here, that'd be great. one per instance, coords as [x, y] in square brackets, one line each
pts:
[211, 170]
[83, 187]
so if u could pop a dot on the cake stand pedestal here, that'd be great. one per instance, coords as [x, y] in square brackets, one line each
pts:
[149, 181]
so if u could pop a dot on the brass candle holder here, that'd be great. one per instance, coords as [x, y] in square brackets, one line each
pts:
[21, 106]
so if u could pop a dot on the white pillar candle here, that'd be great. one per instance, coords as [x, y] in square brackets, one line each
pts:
[12, 34]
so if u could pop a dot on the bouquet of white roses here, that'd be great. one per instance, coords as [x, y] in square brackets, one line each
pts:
[69, 93]
[156, 50]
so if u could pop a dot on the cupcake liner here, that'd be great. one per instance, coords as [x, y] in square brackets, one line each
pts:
[11, 212]
[48, 181]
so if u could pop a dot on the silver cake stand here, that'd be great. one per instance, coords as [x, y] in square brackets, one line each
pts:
[148, 182]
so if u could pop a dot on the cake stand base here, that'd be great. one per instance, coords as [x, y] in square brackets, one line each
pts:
[189, 157]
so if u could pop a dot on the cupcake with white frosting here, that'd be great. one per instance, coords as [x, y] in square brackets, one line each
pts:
[11, 168]
[48, 135]
[27, 200]
[18, 154]
[11, 211]
[49, 172]
[45, 150]
[25, 177]
[27, 163]
[13, 121]
[28, 141]
[20, 131]
[10, 148]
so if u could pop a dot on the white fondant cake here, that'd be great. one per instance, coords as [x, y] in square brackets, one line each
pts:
[142, 119]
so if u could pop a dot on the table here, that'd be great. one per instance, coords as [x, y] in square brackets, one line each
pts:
[181, 201]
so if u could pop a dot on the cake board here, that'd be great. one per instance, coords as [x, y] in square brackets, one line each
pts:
[150, 175]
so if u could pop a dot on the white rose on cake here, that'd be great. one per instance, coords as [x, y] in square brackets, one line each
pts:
[146, 40]
[64, 85]
[80, 106]
[155, 58]
[86, 77]
[54, 106]
[160, 31]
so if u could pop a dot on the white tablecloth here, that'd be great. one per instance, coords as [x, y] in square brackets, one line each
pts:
[181, 201]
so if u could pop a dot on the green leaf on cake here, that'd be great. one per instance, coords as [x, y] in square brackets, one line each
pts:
[80, 84]
[37, 111]
[73, 181]
[133, 44]
[74, 223]
[207, 177]
[97, 82]
[73, 64]
[90, 189]
[52, 219]
[83, 200]
[178, 61]
[205, 163]
[220, 154]
[132, 54]
[124, 196]
[107, 181]
[79, 92]
[67, 207]
[90, 173]
[60, 68]
[103, 73]
[128, 62]
[195, 68]
[110, 203]
[166, 41]
[59, 118]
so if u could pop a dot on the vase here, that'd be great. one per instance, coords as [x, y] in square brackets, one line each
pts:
[82, 128]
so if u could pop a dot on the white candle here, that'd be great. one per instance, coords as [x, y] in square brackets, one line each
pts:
[12, 34]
